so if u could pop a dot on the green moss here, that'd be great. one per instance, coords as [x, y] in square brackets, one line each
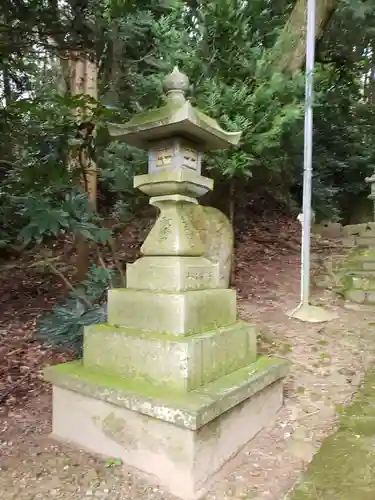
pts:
[323, 342]
[105, 328]
[188, 410]
[76, 370]
[154, 115]
[343, 469]
[284, 348]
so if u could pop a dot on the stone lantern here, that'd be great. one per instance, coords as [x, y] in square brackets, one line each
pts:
[172, 384]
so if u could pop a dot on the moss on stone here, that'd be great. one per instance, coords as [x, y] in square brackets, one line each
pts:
[190, 410]
[154, 115]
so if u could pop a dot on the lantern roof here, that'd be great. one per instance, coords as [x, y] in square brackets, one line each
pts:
[177, 118]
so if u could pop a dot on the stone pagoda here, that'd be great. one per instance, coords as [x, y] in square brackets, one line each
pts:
[171, 384]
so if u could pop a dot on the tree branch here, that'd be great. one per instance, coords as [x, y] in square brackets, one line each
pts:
[289, 51]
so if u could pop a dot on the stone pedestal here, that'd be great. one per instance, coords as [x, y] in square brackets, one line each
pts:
[180, 439]
[176, 392]
[172, 384]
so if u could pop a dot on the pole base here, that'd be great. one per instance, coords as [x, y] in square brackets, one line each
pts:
[312, 314]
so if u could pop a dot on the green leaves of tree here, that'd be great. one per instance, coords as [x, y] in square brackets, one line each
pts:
[64, 325]
[47, 217]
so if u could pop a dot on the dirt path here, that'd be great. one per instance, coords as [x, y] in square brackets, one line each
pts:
[328, 362]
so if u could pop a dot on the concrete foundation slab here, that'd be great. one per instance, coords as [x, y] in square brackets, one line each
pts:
[182, 461]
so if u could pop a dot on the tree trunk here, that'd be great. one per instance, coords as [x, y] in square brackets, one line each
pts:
[83, 81]
[290, 49]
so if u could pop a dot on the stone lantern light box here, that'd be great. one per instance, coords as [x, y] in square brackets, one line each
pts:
[174, 153]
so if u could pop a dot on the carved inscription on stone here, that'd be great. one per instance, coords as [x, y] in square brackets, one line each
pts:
[165, 228]
[186, 225]
[196, 279]
[164, 158]
[190, 158]
[216, 233]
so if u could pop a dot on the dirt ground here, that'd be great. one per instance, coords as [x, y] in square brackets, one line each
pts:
[328, 362]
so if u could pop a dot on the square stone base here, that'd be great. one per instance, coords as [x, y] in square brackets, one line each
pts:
[184, 313]
[182, 461]
[169, 361]
[180, 440]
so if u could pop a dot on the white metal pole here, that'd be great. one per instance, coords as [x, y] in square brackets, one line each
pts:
[307, 160]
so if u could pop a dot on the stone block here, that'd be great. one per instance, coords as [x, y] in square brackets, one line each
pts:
[173, 181]
[349, 242]
[365, 255]
[180, 443]
[368, 265]
[328, 229]
[357, 229]
[361, 273]
[363, 283]
[217, 236]
[176, 363]
[183, 313]
[357, 296]
[172, 274]
[365, 241]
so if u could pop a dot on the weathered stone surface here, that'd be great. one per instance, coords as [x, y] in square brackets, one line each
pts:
[348, 242]
[328, 229]
[365, 229]
[182, 461]
[172, 274]
[175, 363]
[173, 233]
[190, 410]
[365, 241]
[175, 313]
[216, 234]
[178, 118]
[357, 296]
[173, 181]
[364, 284]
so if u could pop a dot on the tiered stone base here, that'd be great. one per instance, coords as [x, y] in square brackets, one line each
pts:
[171, 384]
[180, 440]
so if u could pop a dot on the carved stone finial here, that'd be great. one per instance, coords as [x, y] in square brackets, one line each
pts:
[176, 82]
